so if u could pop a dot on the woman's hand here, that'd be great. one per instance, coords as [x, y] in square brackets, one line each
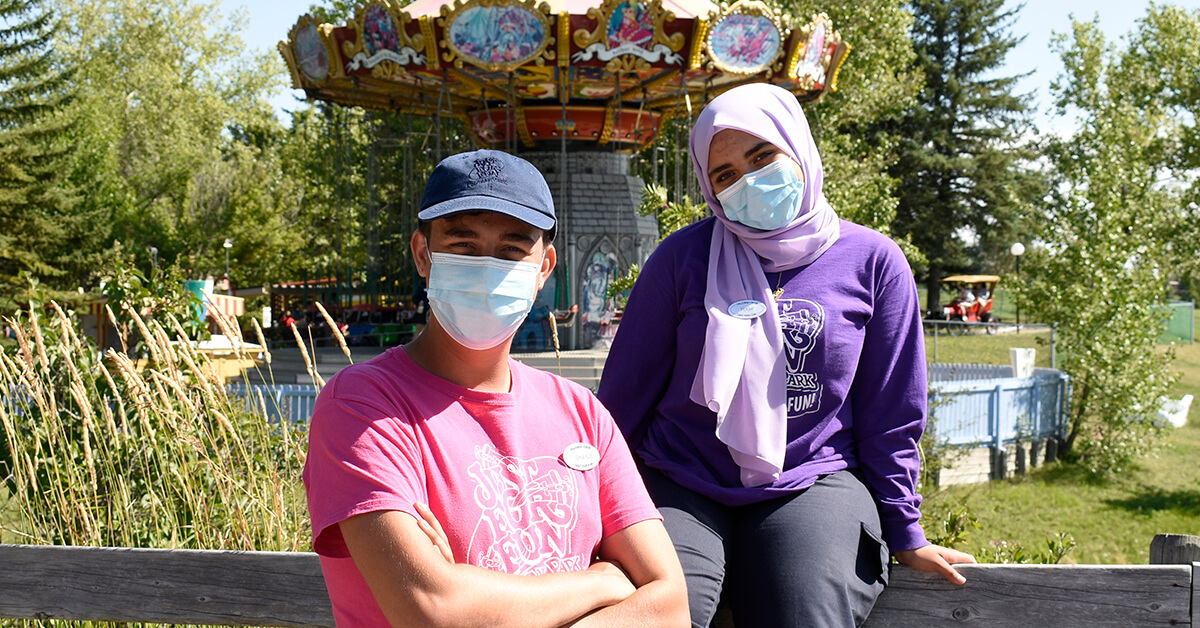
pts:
[938, 559]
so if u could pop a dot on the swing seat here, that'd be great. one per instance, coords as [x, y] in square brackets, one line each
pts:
[566, 318]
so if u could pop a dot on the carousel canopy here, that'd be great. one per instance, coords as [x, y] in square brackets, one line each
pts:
[530, 72]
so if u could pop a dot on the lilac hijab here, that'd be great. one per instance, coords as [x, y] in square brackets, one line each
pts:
[741, 376]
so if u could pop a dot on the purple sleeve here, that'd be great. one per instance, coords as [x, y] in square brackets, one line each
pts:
[889, 399]
[642, 357]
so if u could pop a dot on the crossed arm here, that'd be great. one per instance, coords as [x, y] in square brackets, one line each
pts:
[412, 575]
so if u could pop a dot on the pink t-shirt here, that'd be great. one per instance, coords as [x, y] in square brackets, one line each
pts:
[386, 433]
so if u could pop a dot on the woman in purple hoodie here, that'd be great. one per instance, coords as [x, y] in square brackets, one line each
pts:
[769, 373]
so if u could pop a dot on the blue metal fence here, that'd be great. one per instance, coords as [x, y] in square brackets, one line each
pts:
[293, 402]
[984, 405]
[970, 404]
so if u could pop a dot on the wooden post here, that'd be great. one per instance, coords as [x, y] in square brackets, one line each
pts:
[1051, 449]
[1174, 549]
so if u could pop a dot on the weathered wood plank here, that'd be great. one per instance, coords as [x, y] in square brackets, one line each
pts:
[1001, 596]
[286, 589]
[1174, 549]
[1195, 594]
[165, 586]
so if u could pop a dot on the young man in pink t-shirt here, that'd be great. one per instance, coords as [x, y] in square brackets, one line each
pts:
[449, 484]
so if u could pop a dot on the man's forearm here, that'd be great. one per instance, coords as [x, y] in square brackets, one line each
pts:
[645, 551]
[474, 596]
[415, 584]
[652, 605]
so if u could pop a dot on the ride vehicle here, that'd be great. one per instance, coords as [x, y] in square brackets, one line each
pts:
[971, 304]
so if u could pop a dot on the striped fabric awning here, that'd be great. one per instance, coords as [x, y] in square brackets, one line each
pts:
[227, 305]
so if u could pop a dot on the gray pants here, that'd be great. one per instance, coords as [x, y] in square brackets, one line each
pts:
[807, 560]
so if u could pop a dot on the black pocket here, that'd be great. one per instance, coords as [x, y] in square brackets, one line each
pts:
[873, 556]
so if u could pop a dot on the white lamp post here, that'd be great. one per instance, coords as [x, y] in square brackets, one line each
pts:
[1017, 251]
[229, 282]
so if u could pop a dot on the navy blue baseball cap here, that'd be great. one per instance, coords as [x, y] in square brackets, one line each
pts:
[489, 180]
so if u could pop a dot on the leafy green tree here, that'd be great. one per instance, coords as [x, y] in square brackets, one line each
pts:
[876, 84]
[958, 168]
[1097, 272]
[361, 175]
[177, 144]
[36, 207]
[1158, 74]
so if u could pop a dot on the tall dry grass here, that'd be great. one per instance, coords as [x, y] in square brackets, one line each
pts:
[114, 450]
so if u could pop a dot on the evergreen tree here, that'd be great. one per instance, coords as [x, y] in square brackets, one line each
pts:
[35, 209]
[959, 180]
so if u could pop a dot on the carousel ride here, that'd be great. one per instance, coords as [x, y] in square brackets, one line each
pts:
[574, 86]
[574, 71]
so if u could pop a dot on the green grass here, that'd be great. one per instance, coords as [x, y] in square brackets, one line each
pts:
[1112, 521]
[1187, 364]
[981, 348]
[8, 517]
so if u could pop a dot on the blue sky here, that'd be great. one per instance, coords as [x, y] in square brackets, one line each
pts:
[270, 20]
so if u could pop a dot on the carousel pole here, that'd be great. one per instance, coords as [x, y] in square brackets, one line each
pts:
[450, 106]
[437, 124]
[372, 295]
[676, 184]
[509, 96]
[564, 211]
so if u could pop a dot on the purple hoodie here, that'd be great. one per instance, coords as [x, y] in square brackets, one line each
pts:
[856, 377]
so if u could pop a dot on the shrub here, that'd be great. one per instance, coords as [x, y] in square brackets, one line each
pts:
[98, 450]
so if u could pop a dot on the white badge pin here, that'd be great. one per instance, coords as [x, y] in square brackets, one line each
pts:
[581, 456]
[748, 308]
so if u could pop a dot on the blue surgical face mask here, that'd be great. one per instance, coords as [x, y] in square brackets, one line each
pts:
[480, 301]
[768, 198]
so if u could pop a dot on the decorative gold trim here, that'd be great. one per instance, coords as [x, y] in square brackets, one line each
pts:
[386, 69]
[609, 120]
[625, 64]
[699, 33]
[564, 39]
[839, 57]
[431, 53]
[522, 129]
[658, 15]
[289, 59]
[540, 11]
[337, 63]
[752, 8]
[564, 57]
[793, 58]
[831, 37]
[299, 79]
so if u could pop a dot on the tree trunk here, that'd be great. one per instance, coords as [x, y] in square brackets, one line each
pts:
[933, 287]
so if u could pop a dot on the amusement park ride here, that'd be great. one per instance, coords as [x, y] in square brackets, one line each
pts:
[574, 86]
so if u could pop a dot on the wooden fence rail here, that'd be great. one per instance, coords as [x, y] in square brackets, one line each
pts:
[286, 589]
